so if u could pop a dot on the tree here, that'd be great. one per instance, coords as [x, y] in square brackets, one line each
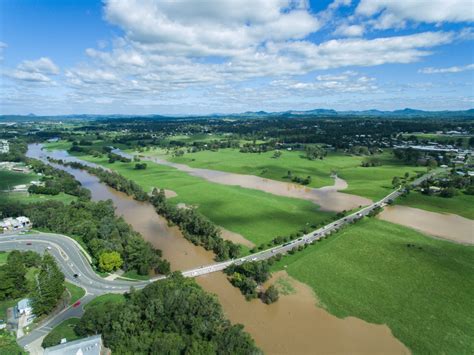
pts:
[270, 295]
[49, 286]
[110, 261]
[396, 181]
[12, 277]
[277, 154]
[448, 192]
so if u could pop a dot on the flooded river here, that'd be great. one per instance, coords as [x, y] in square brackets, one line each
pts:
[329, 198]
[447, 226]
[293, 325]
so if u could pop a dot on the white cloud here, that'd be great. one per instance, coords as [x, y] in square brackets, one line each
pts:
[350, 30]
[212, 27]
[453, 69]
[29, 76]
[395, 13]
[39, 70]
[42, 65]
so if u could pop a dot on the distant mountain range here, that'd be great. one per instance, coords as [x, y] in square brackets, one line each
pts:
[319, 112]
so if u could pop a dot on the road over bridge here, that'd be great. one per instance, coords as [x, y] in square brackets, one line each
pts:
[74, 260]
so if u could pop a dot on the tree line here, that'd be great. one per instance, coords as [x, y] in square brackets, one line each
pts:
[97, 227]
[194, 226]
[173, 316]
[45, 290]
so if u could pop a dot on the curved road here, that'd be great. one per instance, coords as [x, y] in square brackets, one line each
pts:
[72, 260]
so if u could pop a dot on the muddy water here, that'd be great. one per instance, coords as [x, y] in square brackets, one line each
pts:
[447, 226]
[293, 325]
[329, 197]
[141, 216]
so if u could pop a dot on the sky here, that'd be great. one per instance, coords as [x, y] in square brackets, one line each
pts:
[230, 56]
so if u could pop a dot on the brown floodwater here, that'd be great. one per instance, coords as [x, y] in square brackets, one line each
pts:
[329, 198]
[296, 325]
[293, 325]
[442, 225]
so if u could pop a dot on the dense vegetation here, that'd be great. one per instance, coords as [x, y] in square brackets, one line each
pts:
[47, 289]
[56, 181]
[49, 286]
[97, 227]
[174, 316]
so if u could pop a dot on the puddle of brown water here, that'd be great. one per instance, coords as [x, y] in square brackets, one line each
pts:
[235, 237]
[447, 226]
[295, 325]
[328, 198]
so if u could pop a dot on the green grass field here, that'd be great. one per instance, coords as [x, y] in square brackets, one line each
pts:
[460, 204]
[132, 274]
[370, 182]
[257, 215]
[423, 293]
[104, 300]
[3, 257]
[75, 291]
[8, 179]
[30, 198]
[62, 330]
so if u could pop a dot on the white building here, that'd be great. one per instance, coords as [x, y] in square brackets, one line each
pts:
[92, 345]
[13, 224]
[4, 146]
[24, 310]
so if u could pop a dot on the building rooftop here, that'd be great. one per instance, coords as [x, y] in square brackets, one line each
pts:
[87, 346]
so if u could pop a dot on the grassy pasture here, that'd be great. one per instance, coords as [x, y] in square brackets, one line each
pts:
[423, 293]
[370, 182]
[256, 215]
[8, 179]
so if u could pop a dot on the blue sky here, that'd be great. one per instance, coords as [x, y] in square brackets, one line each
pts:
[206, 56]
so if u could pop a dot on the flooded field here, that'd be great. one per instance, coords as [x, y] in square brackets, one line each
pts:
[329, 198]
[447, 226]
[293, 325]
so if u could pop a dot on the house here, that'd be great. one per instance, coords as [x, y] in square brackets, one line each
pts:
[4, 146]
[13, 224]
[92, 345]
[24, 309]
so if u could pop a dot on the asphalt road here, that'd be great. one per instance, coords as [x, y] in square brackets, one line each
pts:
[72, 260]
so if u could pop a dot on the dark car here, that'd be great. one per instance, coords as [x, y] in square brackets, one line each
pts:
[28, 243]
[76, 276]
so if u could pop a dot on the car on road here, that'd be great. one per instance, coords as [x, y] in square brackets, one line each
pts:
[77, 304]
[49, 248]
[28, 243]
[76, 276]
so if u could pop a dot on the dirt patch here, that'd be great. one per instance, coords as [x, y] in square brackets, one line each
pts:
[235, 237]
[170, 193]
[296, 325]
[447, 226]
